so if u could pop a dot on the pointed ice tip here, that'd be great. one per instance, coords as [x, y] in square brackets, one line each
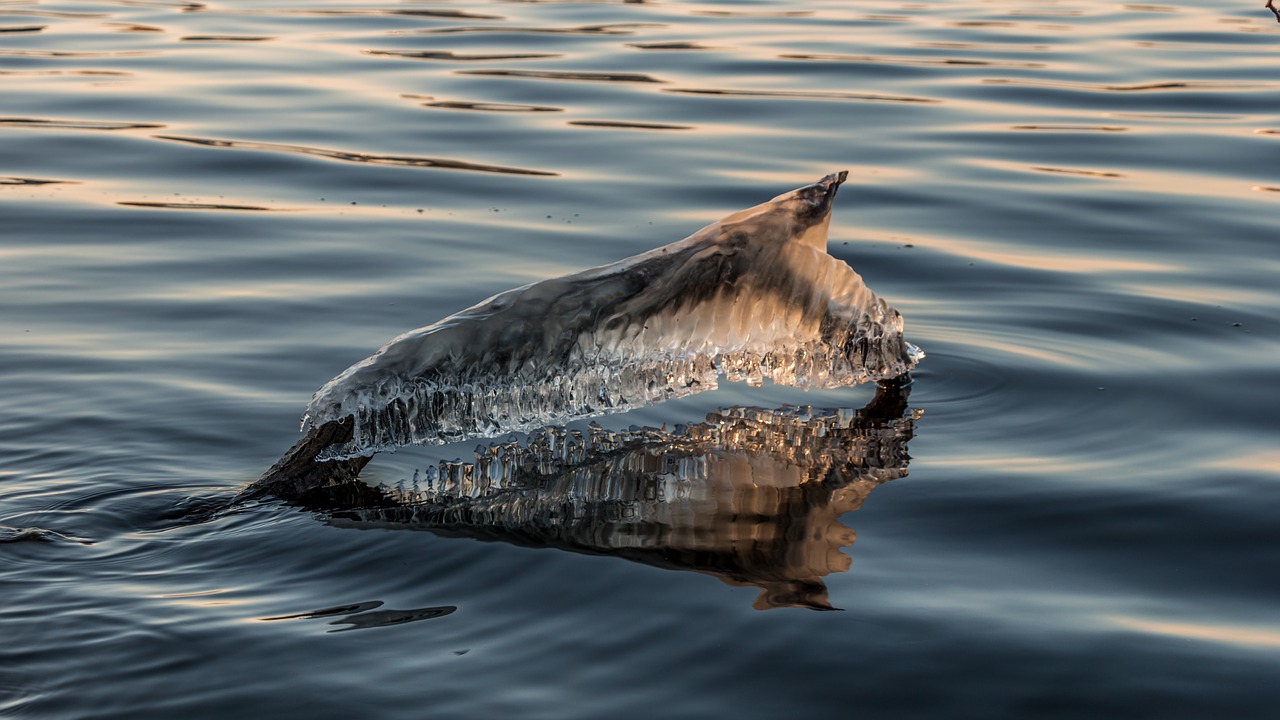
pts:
[817, 198]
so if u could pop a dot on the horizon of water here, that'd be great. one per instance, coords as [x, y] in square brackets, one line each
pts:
[208, 210]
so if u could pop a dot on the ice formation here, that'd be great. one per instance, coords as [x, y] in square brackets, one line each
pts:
[754, 296]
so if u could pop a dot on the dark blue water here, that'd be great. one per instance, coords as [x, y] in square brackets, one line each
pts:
[208, 210]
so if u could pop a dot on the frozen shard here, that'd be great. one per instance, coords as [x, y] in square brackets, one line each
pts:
[754, 296]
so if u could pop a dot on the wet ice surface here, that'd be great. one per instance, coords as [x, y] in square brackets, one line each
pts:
[752, 297]
[207, 211]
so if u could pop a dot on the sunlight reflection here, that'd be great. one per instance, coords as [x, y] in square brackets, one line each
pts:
[1258, 638]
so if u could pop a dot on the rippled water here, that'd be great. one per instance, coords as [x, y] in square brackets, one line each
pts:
[209, 210]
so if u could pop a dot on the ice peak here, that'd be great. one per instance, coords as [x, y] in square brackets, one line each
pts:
[752, 296]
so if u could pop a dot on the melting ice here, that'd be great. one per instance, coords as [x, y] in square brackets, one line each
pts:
[750, 297]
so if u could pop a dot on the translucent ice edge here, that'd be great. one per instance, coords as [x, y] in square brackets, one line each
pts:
[418, 412]
[754, 296]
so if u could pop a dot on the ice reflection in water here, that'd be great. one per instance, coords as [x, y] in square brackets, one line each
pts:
[751, 496]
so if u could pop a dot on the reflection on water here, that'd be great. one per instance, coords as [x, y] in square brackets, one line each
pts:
[364, 615]
[750, 496]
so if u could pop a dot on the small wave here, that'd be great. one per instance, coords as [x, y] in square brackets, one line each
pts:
[328, 612]
[491, 106]
[576, 76]
[405, 12]
[628, 125]
[136, 28]
[357, 157]
[43, 123]
[365, 615]
[1072, 128]
[54, 14]
[34, 181]
[1150, 8]
[753, 14]
[227, 38]
[1000, 47]
[898, 60]
[74, 53]
[982, 23]
[183, 6]
[372, 12]
[671, 46]
[86, 73]
[1045, 12]
[1214, 85]
[459, 57]
[195, 206]
[389, 618]
[803, 95]
[40, 535]
[607, 29]
[1076, 171]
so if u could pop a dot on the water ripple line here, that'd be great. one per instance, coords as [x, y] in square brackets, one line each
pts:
[1072, 128]
[1212, 85]
[624, 124]
[898, 60]
[1077, 171]
[84, 73]
[672, 46]
[75, 53]
[491, 107]
[370, 12]
[804, 95]
[195, 206]
[226, 38]
[56, 14]
[43, 123]
[575, 76]
[358, 157]
[12, 180]
[459, 57]
[606, 29]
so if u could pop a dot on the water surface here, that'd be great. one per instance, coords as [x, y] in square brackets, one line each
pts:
[210, 209]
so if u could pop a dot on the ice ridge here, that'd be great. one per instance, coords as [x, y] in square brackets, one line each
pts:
[754, 296]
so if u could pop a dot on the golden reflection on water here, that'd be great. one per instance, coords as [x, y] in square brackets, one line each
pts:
[1263, 461]
[1228, 634]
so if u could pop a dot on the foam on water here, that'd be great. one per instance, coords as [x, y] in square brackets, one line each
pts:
[754, 296]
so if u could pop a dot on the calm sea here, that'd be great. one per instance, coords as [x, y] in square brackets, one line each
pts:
[207, 210]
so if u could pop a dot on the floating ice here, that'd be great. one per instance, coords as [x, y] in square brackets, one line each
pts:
[753, 296]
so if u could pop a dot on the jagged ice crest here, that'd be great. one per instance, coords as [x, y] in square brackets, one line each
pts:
[754, 296]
